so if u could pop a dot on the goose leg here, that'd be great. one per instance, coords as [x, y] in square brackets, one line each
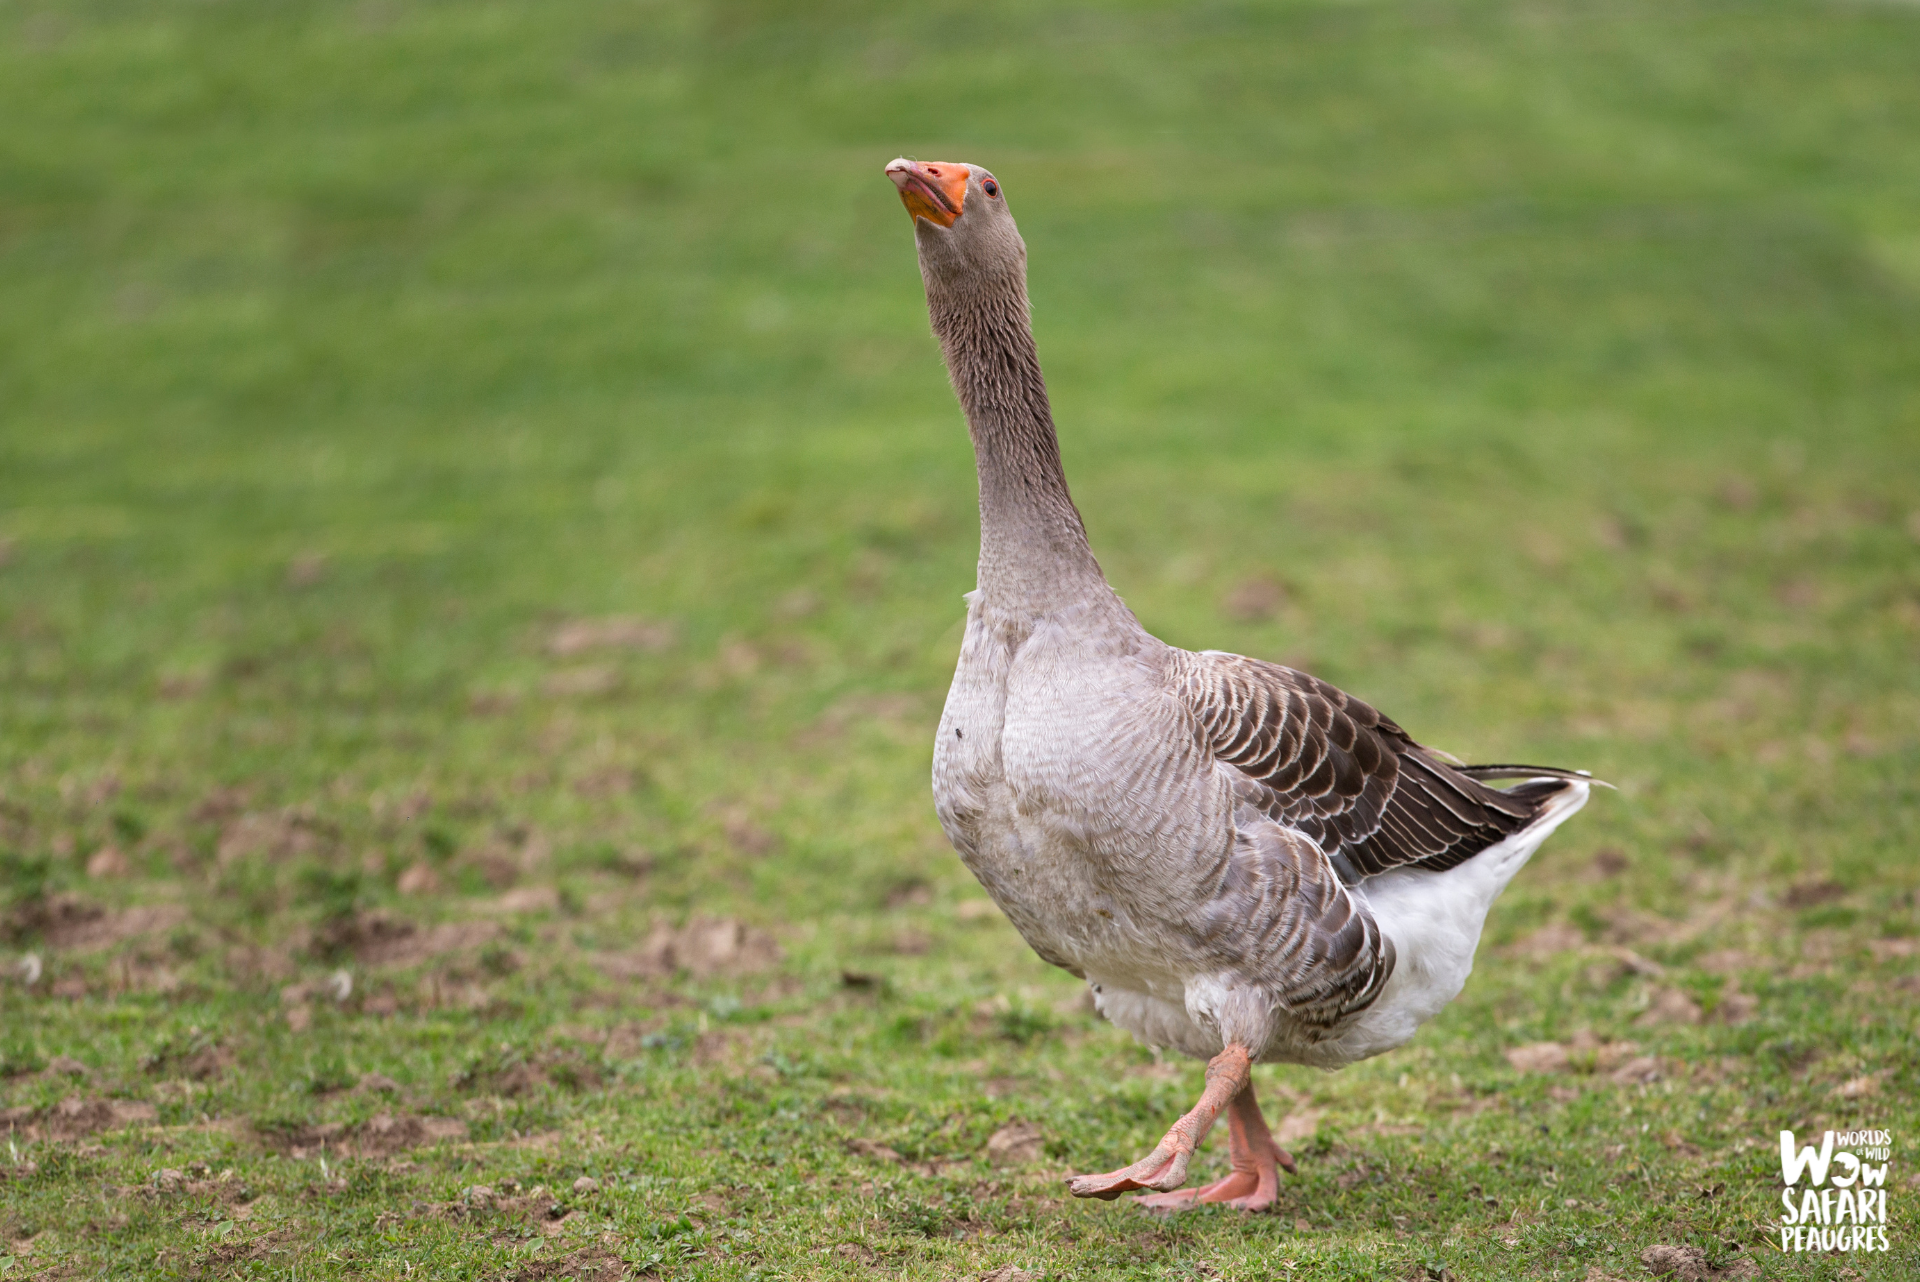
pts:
[1254, 1182]
[1166, 1167]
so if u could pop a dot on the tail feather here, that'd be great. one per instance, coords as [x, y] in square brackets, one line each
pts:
[1510, 770]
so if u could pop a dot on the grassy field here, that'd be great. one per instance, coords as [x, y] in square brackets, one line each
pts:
[482, 525]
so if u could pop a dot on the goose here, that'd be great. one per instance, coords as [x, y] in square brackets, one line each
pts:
[1244, 863]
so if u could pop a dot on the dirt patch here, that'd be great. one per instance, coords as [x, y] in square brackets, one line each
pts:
[1726, 961]
[714, 1200]
[1016, 1144]
[1861, 1087]
[934, 1168]
[221, 805]
[1584, 1053]
[116, 927]
[1010, 1273]
[615, 632]
[1610, 861]
[1538, 1057]
[379, 1136]
[527, 899]
[1642, 1070]
[1549, 941]
[586, 680]
[911, 943]
[547, 1142]
[592, 1264]
[1254, 599]
[874, 1149]
[198, 1182]
[511, 1074]
[505, 1201]
[197, 1062]
[79, 925]
[745, 835]
[1299, 1124]
[1689, 1264]
[521, 1079]
[1734, 1007]
[247, 961]
[76, 1117]
[622, 1041]
[452, 990]
[230, 1253]
[1669, 1006]
[725, 1048]
[381, 939]
[1809, 894]
[360, 932]
[107, 864]
[1886, 950]
[278, 835]
[419, 879]
[607, 781]
[704, 946]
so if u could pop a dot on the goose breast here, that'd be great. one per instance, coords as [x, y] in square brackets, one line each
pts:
[1075, 788]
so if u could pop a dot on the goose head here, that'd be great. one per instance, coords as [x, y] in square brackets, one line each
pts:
[965, 233]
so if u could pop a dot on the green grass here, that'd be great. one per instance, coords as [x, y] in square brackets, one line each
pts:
[1553, 364]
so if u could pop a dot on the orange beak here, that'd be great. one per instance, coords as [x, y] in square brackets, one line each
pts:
[934, 191]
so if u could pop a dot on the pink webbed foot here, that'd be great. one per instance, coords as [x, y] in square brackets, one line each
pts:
[1254, 1183]
[1238, 1187]
[1166, 1167]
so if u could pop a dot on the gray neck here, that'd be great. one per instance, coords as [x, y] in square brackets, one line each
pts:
[1034, 558]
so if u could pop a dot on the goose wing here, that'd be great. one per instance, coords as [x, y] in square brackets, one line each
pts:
[1282, 914]
[1315, 758]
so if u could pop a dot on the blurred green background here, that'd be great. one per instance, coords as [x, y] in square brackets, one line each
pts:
[1555, 363]
[1547, 374]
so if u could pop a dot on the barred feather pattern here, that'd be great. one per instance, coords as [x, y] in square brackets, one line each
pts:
[1340, 772]
[1280, 912]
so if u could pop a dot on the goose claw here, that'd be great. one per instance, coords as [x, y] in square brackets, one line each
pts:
[1254, 1182]
[1228, 1076]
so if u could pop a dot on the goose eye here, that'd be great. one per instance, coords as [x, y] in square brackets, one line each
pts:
[991, 187]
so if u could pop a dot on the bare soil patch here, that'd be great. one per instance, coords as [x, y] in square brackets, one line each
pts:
[383, 939]
[76, 1117]
[379, 1136]
[1549, 941]
[1587, 1054]
[221, 1259]
[592, 1264]
[277, 835]
[615, 632]
[79, 925]
[198, 1182]
[502, 1202]
[1689, 1264]
[704, 946]
[1016, 1144]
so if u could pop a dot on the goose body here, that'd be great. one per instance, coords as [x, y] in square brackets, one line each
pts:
[1244, 863]
[1074, 776]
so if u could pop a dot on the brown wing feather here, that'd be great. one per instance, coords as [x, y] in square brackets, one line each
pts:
[1345, 775]
[1279, 911]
